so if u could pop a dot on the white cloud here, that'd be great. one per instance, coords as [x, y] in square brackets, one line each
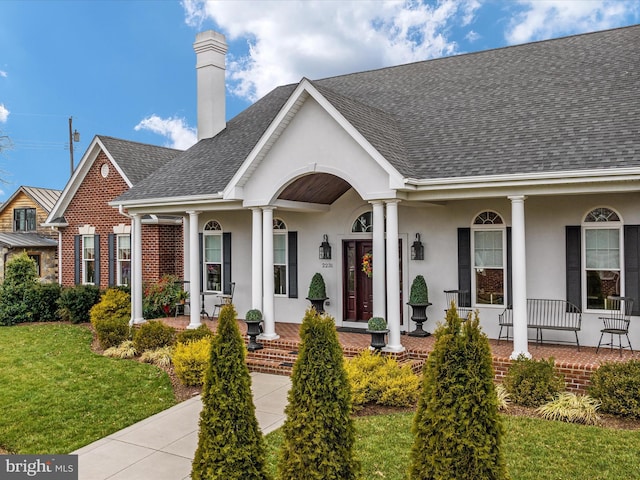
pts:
[4, 113]
[472, 36]
[542, 19]
[181, 136]
[3, 74]
[317, 38]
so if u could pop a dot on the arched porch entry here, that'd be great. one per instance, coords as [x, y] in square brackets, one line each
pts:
[364, 294]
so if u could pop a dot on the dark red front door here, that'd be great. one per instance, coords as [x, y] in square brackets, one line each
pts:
[358, 286]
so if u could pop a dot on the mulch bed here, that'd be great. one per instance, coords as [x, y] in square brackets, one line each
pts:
[183, 393]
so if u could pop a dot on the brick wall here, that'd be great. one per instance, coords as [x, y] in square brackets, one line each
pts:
[577, 377]
[161, 244]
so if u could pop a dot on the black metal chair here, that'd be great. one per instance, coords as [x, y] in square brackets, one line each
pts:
[616, 321]
[462, 301]
[225, 299]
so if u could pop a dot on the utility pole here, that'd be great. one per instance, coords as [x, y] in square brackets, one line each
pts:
[74, 136]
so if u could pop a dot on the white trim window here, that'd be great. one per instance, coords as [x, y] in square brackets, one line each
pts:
[213, 264]
[280, 255]
[489, 257]
[602, 257]
[123, 247]
[88, 260]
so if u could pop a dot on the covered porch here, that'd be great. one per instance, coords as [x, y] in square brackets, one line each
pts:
[279, 355]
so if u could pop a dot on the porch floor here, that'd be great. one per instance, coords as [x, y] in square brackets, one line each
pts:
[420, 347]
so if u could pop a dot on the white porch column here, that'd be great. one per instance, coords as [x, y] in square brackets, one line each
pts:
[393, 279]
[268, 308]
[194, 271]
[137, 315]
[379, 285]
[519, 278]
[186, 254]
[256, 258]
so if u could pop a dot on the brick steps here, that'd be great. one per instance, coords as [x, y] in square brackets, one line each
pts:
[279, 359]
[272, 359]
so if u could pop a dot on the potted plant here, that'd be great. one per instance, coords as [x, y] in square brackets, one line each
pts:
[419, 301]
[317, 292]
[183, 296]
[377, 327]
[253, 319]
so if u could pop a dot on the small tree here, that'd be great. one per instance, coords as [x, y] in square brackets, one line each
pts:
[458, 433]
[319, 434]
[230, 444]
[20, 281]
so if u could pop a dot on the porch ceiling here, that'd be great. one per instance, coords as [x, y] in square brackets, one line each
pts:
[322, 188]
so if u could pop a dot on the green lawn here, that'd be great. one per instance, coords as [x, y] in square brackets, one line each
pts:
[535, 449]
[56, 395]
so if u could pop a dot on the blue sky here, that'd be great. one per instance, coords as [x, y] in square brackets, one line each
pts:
[127, 68]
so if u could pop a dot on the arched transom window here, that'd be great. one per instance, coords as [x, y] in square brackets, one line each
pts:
[364, 223]
[602, 241]
[212, 255]
[489, 258]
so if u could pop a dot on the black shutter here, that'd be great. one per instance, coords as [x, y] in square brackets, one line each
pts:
[574, 264]
[112, 259]
[200, 253]
[632, 265]
[96, 245]
[77, 259]
[464, 264]
[226, 263]
[292, 241]
[509, 268]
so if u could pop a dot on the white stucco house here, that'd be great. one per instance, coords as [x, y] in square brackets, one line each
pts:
[518, 168]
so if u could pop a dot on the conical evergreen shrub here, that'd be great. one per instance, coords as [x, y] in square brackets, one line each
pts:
[20, 280]
[319, 433]
[457, 431]
[230, 444]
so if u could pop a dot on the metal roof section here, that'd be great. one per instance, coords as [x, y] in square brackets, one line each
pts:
[26, 240]
[46, 198]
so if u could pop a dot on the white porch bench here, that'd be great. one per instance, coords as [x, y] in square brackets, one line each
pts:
[545, 314]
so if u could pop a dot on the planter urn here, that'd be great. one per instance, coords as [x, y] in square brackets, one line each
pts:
[419, 316]
[378, 338]
[318, 303]
[253, 330]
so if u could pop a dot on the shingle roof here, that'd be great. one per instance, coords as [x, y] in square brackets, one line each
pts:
[565, 104]
[207, 167]
[137, 160]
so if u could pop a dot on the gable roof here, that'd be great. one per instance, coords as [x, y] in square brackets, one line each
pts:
[44, 197]
[562, 105]
[134, 161]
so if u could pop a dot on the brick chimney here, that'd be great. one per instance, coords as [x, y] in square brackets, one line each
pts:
[210, 48]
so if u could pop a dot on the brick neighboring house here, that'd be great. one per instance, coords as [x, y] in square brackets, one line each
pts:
[95, 238]
[21, 229]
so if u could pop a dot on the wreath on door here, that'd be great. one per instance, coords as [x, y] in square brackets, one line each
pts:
[367, 264]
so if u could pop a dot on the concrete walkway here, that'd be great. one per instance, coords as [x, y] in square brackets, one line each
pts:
[162, 447]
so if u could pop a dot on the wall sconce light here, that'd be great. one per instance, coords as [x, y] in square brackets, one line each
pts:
[325, 248]
[417, 249]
